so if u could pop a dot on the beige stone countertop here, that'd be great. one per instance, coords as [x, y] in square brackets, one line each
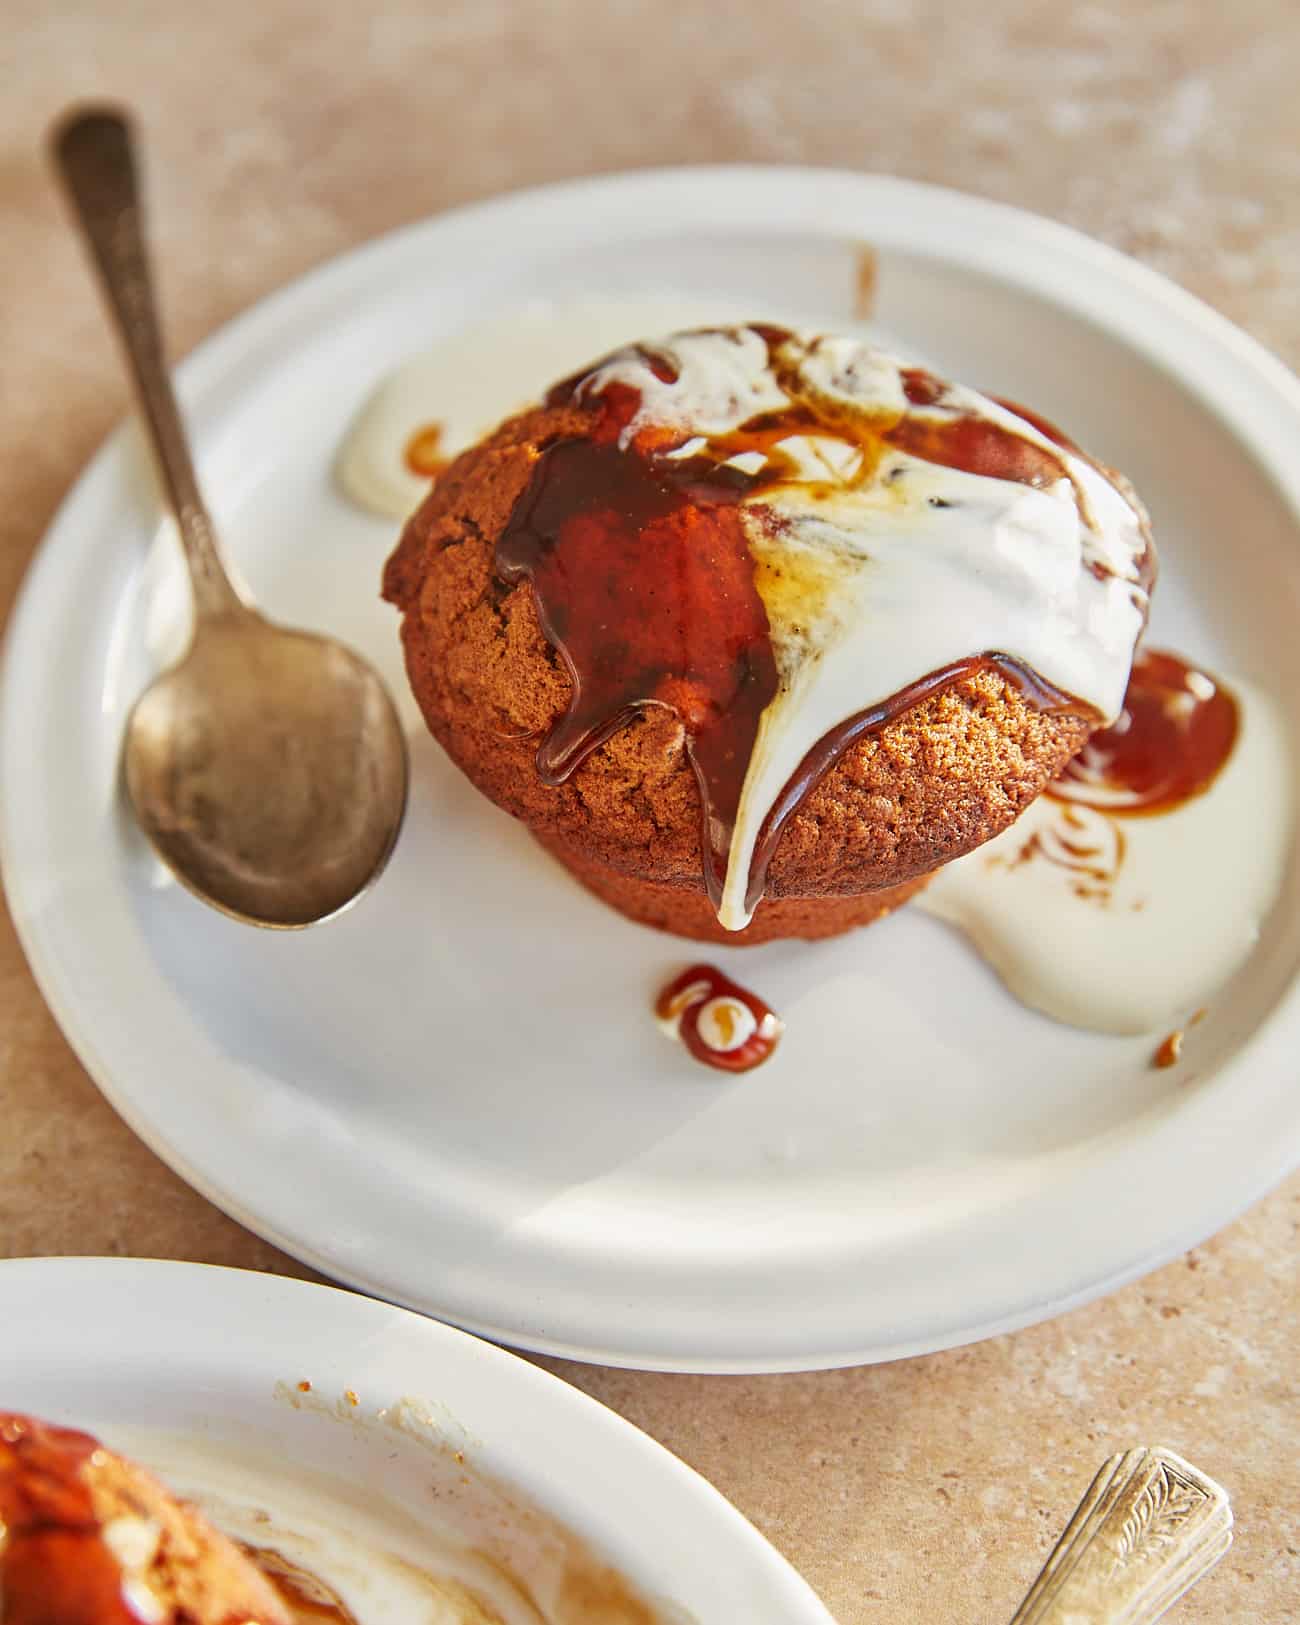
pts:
[285, 131]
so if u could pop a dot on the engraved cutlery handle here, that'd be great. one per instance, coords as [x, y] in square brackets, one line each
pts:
[1149, 1527]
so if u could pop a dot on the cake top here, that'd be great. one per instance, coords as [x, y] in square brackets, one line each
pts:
[790, 538]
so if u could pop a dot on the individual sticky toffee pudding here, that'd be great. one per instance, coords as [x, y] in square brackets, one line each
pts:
[756, 629]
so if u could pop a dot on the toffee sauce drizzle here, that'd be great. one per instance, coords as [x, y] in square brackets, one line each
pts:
[54, 1564]
[644, 584]
[423, 455]
[1175, 733]
[683, 1001]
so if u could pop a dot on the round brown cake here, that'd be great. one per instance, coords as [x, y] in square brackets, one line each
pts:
[949, 772]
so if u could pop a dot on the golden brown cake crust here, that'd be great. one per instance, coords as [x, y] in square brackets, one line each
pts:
[687, 912]
[940, 779]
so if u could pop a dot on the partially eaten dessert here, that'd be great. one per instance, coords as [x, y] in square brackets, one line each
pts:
[89, 1538]
[756, 629]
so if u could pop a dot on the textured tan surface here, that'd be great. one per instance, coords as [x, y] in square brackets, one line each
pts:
[910, 1494]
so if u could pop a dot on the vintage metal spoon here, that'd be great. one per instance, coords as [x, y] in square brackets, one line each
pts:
[1148, 1528]
[268, 767]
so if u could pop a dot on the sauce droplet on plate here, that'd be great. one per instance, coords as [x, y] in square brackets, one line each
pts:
[1170, 1051]
[423, 455]
[721, 1023]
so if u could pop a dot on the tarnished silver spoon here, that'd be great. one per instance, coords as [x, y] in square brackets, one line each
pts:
[268, 767]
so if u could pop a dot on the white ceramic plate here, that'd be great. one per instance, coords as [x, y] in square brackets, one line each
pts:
[415, 1445]
[454, 1096]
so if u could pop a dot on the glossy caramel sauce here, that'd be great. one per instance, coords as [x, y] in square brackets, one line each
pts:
[974, 445]
[1175, 733]
[54, 1566]
[707, 1010]
[644, 581]
[423, 454]
[1170, 1050]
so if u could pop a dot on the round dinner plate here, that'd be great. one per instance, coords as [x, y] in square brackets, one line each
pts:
[361, 1440]
[454, 1095]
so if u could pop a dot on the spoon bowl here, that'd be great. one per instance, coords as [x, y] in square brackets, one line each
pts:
[268, 767]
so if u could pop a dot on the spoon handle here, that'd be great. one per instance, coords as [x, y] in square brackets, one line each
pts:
[93, 151]
[1149, 1527]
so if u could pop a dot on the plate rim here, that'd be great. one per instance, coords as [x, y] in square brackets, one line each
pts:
[567, 1410]
[301, 296]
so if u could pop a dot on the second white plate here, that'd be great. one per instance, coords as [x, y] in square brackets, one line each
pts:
[399, 1461]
